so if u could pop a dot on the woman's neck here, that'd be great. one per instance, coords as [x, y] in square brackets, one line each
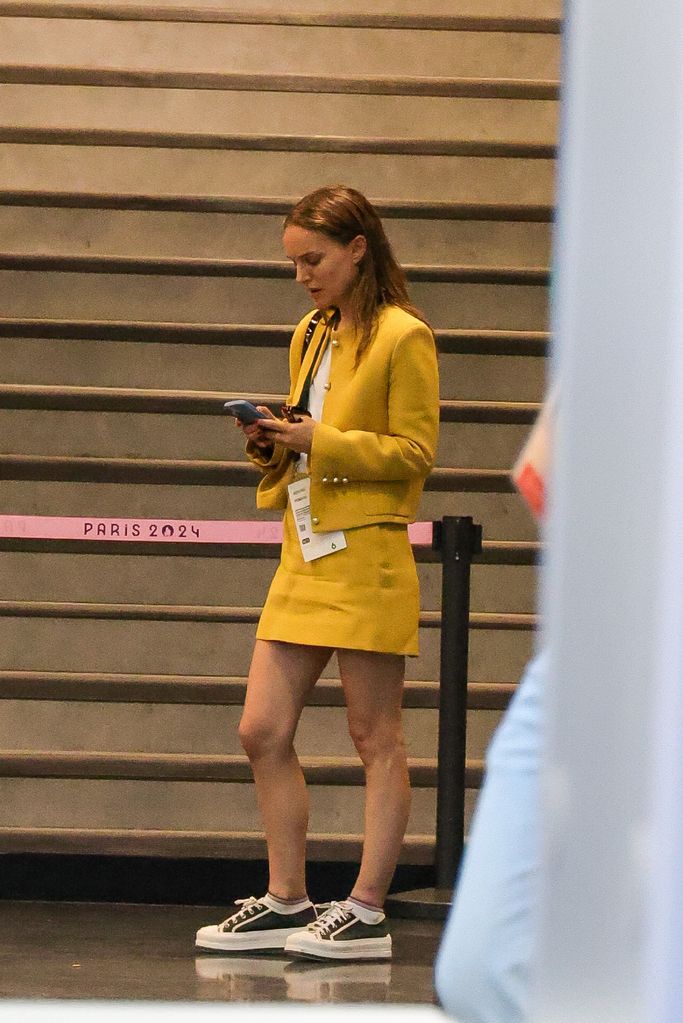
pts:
[346, 318]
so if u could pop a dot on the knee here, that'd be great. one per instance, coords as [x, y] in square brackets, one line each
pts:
[374, 742]
[262, 737]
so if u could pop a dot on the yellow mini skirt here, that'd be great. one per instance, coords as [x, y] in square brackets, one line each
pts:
[365, 597]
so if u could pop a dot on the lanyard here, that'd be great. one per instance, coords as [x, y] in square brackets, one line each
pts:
[329, 325]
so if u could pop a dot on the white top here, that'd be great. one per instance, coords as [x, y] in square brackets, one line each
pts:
[316, 398]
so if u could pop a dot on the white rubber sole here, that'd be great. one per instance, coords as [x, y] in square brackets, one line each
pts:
[263, 940]
[364, 948]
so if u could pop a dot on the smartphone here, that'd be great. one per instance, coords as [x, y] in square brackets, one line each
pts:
[244, 411]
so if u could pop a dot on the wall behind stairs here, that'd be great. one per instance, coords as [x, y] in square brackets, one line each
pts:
[147, 155]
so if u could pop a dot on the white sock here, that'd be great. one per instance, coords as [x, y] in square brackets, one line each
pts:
[286, 908]
[369, 915]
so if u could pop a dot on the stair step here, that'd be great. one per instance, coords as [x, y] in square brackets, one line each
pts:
[200, 173]
[206, 473]
[490, 306]
[471, 432]
[207, 730]
[274, 113]
[103, 364]
[102, 687]
[210, 403]
[223, 845]
[226, 81]
[124, 10]
[104, 137]
[244, 268]
[211, 613]
[164, 53]
[202, 648]
[495, 552]
[416, 209]
[493, 342]
[194, 805]
[237, 236]
[501, 508]
[467, 371]
[188, 767]
[502, 580]
[37, 636]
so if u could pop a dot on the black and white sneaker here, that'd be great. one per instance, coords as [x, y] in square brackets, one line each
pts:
[345, 931]
[260, 924]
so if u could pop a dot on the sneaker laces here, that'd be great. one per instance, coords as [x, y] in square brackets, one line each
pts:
[249, 907]
[338, 913]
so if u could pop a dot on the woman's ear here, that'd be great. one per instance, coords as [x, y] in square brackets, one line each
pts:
[359, 246]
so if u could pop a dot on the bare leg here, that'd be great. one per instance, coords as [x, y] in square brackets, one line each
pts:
[373, 686]
[280, 679]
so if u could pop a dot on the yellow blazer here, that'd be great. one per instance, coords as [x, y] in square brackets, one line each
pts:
[376, 443]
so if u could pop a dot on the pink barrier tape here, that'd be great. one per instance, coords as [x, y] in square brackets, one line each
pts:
[51, 527]
[420, 534]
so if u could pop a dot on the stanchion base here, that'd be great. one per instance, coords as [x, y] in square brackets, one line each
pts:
[420, 904]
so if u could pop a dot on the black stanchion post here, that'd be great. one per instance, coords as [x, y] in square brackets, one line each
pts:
[458, 539]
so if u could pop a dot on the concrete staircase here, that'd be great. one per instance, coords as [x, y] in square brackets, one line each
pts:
[148, 153]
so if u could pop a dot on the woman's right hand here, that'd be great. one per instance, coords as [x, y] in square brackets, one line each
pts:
[253, 431]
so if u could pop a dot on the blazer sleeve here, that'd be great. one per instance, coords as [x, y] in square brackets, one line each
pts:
[408, 449]
[264, 459]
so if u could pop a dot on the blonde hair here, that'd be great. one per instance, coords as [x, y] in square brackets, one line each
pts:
[342, 213]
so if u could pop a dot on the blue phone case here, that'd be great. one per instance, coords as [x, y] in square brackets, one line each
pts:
[243, 410]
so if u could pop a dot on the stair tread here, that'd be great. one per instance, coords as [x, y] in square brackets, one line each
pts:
[211, 690]
[417, 848]
[196, 767]
[214, 613]
[189, 14]
[445, 145]
[266, 204]
[195, 402]
[272, 269]
[378, 84]
[207, 472]
[277, 335]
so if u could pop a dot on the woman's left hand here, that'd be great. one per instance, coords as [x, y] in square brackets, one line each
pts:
[297, 436]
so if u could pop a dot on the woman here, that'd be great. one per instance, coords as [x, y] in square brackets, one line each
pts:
[352, 452]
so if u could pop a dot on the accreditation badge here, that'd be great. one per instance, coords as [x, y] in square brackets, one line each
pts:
[313, 545]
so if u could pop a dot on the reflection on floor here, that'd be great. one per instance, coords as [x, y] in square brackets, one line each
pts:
[115, 951]
[244, 980]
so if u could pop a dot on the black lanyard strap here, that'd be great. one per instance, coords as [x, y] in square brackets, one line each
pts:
[302, 403]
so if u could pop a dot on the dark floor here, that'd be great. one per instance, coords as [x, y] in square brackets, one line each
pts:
[121, 951]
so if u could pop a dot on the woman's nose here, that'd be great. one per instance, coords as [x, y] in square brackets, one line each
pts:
[302, 274]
